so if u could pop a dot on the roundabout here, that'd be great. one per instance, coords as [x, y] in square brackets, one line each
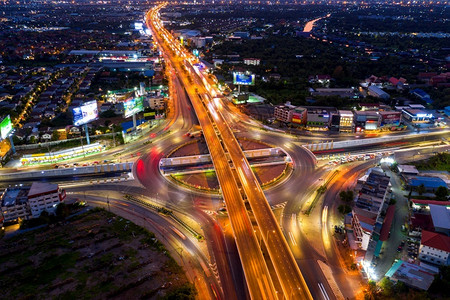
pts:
[189, 165]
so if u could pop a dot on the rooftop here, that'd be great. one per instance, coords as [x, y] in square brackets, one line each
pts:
[440, 215]
[41, 188]
[12, 196]
[428, 182]
[412, 275]
[435, 240]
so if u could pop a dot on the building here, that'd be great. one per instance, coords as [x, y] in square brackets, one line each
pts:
[422, 95]
[377, 92]
[156, 102]
[345, 121]
[283, 113]
[419, 277]
[389, 118]
[363, 224]
[430, 183]
[434, 248]
[340, 92]
[407, 170]
[14, 202]
[319, 118]
[252, 61]
[416, 115]
[44, 196]
[367, 222]
[440, 215]
[299, 116]
[365, 120]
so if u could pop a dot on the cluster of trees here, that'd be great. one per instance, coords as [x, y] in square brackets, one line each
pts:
[347, 199]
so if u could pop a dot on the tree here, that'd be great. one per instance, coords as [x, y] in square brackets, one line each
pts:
[62, 210]
[387, 287]
[441, 193]
[372, 291]
[421, 189]
[344, 209]
[55, 135]
[346, 196]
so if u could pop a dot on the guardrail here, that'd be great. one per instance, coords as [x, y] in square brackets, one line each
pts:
[165, 211]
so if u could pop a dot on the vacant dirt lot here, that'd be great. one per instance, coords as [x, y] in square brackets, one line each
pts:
[96, 255]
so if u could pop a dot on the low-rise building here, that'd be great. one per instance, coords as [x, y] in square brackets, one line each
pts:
[412, 275]
[389, 118]
[44, 196]
[429, 183]
[283, 113]
[434, 248]
[365, 120]
[416, 115]
[156, 102]
[14, 203]
[319, 118]
[252, 61]
[299, 116]
[440, 215]
[345, 121]
[377, 92]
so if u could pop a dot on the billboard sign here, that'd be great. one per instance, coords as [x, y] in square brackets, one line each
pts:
[85, 113]
[243, 79]
[132, 106]
[5, 127]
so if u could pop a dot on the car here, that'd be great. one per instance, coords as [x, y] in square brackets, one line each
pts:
[402, 243]
[399, 249]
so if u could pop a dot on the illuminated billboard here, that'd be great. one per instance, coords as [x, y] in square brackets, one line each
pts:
[132, 106]
[243, 79]
[5, 127]
[85, 113]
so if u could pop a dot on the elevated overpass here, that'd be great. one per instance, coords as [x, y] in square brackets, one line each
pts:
[221, 140]
[257, 275]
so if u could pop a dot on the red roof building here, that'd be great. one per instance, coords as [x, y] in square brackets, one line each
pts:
[434, 248]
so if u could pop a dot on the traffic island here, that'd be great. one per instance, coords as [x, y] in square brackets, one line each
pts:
[196, 171]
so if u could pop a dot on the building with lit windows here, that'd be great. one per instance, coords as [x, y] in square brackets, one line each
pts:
[416, 115]
[345, 121]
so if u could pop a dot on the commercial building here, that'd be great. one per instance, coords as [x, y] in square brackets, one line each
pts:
[44, 196]
[345, 121]
[14, 203]
[389, 118]
[299, 116]
[319, 118]
[377, 92]
[366, 121]
[434, 248]
[416, 115]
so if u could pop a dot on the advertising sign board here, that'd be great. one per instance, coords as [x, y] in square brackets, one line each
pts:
[85, 113]
[243, 79]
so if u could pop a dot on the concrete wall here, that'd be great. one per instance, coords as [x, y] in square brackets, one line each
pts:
[67, 172]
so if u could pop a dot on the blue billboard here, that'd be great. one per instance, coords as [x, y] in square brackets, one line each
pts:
[243, 79]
